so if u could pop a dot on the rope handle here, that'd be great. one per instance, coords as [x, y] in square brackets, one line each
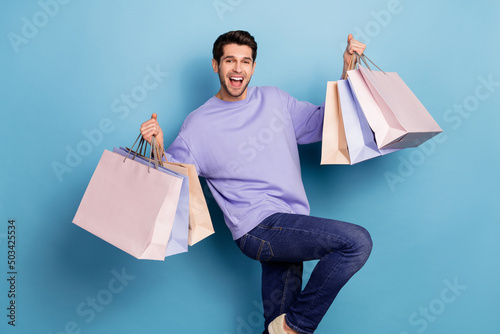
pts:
[356, 60]
[156, 153]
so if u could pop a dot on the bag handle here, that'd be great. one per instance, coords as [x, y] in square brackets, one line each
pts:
[154, 152]
[352, 64]
[356, 59]
[160, 153]
[130, 150]
[363, 57]
[157, 150]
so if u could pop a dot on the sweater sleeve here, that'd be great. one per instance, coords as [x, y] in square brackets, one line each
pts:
[307, 120]
[180, 152]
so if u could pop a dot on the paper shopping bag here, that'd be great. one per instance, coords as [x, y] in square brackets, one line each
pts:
[401, 120]
[130, 206]
[200, 223]
[178, 241]
[334, 143]
[360, 141]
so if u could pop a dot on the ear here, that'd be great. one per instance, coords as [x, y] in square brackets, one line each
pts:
[215, 66]
[253, 67]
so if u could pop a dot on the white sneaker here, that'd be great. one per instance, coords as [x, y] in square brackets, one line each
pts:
[276, 326]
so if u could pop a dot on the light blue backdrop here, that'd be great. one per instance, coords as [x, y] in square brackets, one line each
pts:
[65, 70]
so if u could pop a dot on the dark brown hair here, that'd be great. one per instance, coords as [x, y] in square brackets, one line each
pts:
[239, 37]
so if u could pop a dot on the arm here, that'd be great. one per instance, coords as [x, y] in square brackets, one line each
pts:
[178, 151]
[352, 45]
[307, 118]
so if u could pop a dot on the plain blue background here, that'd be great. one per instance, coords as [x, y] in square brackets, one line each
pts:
[432, 211]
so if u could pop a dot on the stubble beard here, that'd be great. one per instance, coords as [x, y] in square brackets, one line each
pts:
[225, 87]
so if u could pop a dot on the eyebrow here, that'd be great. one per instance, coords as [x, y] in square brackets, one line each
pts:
[230, 56]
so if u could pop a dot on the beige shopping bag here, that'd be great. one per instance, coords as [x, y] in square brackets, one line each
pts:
[334, 143]
[200, 223]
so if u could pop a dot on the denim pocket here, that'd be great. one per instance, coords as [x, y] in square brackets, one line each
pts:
[256, 248]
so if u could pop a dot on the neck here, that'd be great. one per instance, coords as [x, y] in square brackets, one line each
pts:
[224, 96]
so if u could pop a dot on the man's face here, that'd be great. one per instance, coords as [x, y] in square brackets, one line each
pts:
[235, 71]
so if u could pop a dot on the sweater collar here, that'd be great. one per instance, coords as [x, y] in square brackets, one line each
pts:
[233, 104]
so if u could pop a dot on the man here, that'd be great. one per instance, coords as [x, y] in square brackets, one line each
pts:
[244, 142]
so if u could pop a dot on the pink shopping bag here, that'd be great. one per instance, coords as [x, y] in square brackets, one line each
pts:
[178, 241]
[396, 116]
[130, 206]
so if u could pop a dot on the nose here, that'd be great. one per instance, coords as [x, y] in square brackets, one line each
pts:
[237, 67]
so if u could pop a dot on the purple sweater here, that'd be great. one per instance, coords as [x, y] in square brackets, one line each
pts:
[247, 151]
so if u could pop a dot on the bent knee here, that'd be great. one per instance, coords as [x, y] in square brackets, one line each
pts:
[362, 242]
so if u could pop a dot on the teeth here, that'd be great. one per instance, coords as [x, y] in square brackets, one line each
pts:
[233, 78]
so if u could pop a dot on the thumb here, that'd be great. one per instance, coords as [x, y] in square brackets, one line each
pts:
[154, 116]
[349, 38]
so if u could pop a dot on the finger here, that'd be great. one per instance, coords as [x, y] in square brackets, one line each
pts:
[147, 127]
[154, 116]
[150, 127]
[349, 38]
[357, 44]
[148, 135]
[150, 122]
[149, 132]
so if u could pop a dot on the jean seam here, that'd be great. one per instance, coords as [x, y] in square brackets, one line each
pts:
[261, 247]
[242, 242]
[269, 227]
[270, 250]
[280, 228]
[255, 237]
[285, 289]
[271, 255]
[321, 288]
[295, 328]
[311, 232]
[260, 250]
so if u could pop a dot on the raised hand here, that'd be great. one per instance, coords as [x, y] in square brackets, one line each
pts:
[151, 128]
[352, 46]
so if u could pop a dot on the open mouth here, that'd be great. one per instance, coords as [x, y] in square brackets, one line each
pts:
[236, 81]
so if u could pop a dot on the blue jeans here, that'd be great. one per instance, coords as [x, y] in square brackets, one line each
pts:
[281, 242]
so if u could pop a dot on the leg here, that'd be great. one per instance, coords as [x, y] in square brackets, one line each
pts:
[342, 248]
[281, 284]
